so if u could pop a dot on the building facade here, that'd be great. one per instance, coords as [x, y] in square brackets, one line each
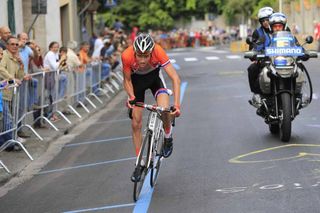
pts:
[61, 23]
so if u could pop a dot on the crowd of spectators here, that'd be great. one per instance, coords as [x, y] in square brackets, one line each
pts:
[22, 58]
[195, 38]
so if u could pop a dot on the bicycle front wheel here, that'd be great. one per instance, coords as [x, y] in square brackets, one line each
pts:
[142, 161]
[156, 159]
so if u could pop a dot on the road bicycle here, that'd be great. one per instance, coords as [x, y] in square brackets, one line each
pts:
[150, 155]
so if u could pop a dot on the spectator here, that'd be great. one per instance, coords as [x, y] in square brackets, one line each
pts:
[52, 63]
[83, 53]
[92, 40]
[75, 67]
[84, 59]
[73, 60]
[317, 34]
[5, 33]
[36, 66]
[98, 45]
[105, 57]
[66, 69]
[26, 53]
[133, 34]
[117, 25]
[11, 68]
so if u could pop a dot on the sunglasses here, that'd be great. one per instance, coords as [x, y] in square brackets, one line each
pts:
[14, 44]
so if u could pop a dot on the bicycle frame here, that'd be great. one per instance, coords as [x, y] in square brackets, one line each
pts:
[154, 126]
[150, 149]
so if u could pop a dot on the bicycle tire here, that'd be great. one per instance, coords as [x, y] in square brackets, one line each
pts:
[145, 147]
[157, 158]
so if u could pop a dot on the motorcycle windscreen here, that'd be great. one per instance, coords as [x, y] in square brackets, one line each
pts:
[283, 44]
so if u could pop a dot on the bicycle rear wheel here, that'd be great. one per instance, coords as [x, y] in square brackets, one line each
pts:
[156, 159]
[143, 157]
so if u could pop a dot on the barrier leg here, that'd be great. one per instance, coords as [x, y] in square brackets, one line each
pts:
[50, 123]
[90, 102]
[75, 111]
[34, 131]
[64, 117]
[4, 166]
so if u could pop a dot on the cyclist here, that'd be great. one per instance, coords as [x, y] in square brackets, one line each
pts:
[141, 70]
[261, 37]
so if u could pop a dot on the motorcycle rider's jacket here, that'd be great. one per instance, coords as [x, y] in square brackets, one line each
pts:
[260, 34]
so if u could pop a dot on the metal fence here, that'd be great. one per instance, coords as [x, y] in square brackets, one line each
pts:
[51, 93]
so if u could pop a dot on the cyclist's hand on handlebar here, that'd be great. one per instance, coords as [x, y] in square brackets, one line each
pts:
[176, 110]
[130, 102]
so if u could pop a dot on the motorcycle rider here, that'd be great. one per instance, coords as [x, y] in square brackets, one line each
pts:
[278, 22]
[261, 38]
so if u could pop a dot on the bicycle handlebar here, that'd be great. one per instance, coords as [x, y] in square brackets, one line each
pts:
[153, 108]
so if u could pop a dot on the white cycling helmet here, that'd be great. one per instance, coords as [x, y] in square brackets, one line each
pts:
[264, 12]
[278, 18]
[143, 43]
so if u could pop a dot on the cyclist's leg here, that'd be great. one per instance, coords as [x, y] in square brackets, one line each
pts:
[162, 96]
[136, 124]
[163, 101]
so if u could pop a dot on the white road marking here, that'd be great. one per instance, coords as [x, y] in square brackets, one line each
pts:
[233, 56]
[190, 59]
[212, 58]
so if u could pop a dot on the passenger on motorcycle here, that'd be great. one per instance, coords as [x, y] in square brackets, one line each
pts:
[261, 38]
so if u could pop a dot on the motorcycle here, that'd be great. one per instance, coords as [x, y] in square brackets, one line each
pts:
[282, 80]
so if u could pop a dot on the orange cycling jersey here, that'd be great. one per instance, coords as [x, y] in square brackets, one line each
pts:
[158, 58]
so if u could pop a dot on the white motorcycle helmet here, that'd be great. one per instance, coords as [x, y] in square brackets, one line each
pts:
[264, 13]
[278, 18]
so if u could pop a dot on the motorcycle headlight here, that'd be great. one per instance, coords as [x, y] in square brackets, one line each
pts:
[284, 65]
[280, 61]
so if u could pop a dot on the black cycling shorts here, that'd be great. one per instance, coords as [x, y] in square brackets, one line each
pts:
[152, 80]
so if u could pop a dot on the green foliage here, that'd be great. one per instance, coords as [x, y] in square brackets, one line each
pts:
[155, 14]
[233, 8]
[162, 14]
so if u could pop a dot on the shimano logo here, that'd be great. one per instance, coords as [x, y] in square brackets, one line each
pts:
[292, 51]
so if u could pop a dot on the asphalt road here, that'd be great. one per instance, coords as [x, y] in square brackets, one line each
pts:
[224, 161]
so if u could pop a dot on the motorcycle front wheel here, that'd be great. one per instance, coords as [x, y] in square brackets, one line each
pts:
[285, 121]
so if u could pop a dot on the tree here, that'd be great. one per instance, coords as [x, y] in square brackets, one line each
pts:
[155, 14]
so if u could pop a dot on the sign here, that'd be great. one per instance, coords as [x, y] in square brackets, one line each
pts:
[39, 7]
[290, 51]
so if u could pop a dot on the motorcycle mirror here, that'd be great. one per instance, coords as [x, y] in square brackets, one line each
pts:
[309, 39]
[249, 40]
